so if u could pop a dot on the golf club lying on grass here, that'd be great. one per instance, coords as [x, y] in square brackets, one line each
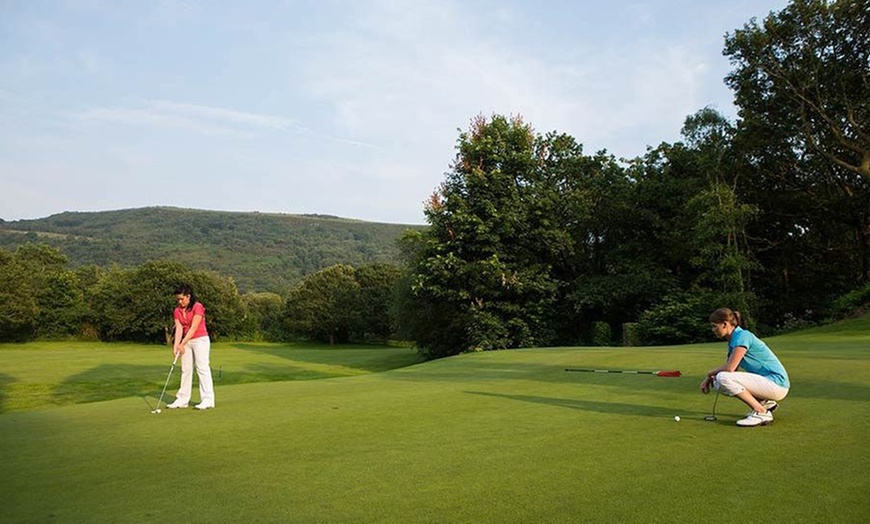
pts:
[712, 418]
[673, 373]
[159, 400]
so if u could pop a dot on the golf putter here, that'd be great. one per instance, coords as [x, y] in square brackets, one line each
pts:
[712, 418]
[159, 400]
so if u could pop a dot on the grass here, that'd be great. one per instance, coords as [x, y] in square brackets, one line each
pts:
[502, 436]
[44, 374]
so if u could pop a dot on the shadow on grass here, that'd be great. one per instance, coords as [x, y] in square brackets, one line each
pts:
[109, 382]
[268, 373]
[828, 389]
[366, 358]
[494, 371]
[612, 408]
[5, 381]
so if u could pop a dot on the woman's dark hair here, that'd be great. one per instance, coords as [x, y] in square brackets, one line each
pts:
[723, 314]
[184, 289]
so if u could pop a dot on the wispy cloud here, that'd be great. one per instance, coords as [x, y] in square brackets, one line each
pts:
[153, 117]
[225, 115]
[206, 120]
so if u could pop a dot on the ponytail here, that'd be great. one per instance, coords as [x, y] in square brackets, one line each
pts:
[723, 314]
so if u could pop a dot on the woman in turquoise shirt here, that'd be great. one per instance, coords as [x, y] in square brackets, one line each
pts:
[763, 380]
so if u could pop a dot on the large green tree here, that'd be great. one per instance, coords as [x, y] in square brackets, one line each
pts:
[18, 306]
[476, 283]
[802, 83]
[377, 288]
[324, 305]
[263, 316]
[39, 296]
[137, 304]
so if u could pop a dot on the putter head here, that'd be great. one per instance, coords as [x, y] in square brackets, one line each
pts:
[155, 411]
[710, 418]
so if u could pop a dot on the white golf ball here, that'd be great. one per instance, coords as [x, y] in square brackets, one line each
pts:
[676, 418]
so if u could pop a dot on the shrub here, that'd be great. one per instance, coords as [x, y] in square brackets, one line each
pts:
[602, 335]
[677, 320]
[853, 303]
[631, 334]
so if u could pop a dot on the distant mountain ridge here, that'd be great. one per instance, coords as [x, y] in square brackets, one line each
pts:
[261, 251]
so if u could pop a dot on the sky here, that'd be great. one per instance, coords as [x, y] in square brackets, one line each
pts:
[350, 108]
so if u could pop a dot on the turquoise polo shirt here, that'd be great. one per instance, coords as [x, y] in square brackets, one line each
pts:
[759, 359]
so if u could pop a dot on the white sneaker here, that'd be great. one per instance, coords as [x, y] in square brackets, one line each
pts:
[769, 405]
[204, 406]
[176, 405]
[756, 419]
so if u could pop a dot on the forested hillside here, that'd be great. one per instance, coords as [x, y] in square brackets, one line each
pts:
[262, 252]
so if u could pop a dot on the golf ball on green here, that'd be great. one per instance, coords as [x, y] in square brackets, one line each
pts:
[676, 418]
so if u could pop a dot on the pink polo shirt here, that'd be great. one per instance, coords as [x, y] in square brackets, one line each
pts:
[186, 318]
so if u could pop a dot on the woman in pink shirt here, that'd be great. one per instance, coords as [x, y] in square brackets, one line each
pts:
[193, 346]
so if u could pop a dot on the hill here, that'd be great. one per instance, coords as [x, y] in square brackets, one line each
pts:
[261, 251]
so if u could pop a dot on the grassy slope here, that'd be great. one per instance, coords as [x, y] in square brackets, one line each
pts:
[491, 437]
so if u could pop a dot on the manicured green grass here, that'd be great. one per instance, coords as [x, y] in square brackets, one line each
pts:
[490, 437]
[40, 374]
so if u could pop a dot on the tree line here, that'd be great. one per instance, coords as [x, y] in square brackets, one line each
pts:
[533, 242]
[41, 297]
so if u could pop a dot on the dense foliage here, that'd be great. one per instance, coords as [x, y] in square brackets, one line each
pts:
[533, 242]
[802, 82]
[340, 303]
[40, 297]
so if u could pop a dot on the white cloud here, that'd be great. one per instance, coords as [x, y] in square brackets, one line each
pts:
[226, 115]
[205, 120]
[155, 118]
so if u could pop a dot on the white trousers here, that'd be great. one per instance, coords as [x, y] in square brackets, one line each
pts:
[734, 383]
[196, 353]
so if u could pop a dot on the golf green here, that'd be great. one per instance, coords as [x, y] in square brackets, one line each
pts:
[504, 436]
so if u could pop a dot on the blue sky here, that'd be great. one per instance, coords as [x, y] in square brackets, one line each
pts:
[349, 108]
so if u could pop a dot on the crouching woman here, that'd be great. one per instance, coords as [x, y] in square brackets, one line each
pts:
[763, 381]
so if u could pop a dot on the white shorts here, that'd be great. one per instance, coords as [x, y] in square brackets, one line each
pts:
[762, 388]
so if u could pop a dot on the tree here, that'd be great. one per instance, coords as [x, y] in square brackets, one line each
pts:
[476, 284]
[41, 297]
[377, 283]
[802, 83]
[323, 305]
[18, 305]
[136, 304]
[224, 309]
[263, 315]
[719, 217]
[608, 279]
[61, 304]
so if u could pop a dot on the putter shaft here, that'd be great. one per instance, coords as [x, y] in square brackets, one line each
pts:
[159, 400]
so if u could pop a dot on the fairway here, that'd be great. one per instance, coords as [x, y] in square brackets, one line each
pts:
[505, 436]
